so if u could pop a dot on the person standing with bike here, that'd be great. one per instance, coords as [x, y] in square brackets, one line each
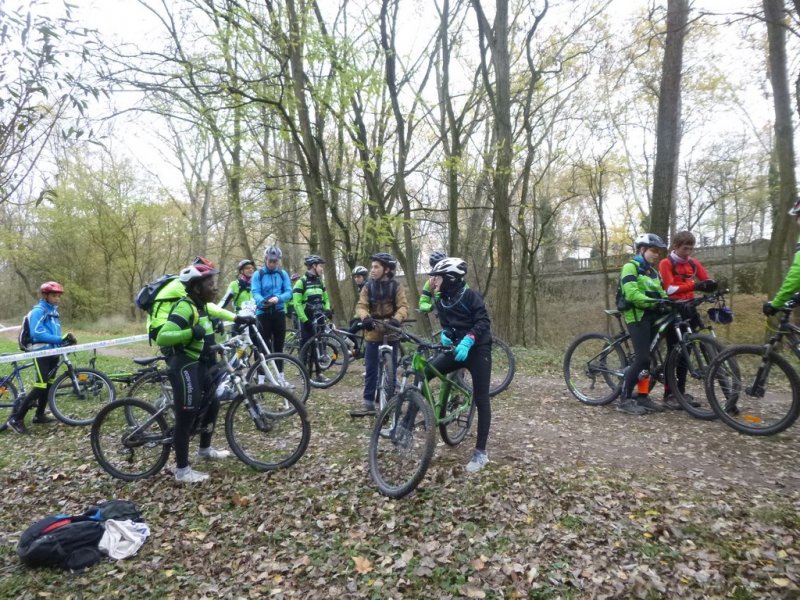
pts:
[186, 339]
[44, 325]
[466, 327]
[272, 290]
[681, 277]
[643, 296]
[310, 298]
[239, 289]
[791, 283]
[382, 297]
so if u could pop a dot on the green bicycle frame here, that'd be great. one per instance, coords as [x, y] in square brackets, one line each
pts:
[419, 365]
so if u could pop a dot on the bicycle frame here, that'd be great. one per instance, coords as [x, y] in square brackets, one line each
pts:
[15, 377]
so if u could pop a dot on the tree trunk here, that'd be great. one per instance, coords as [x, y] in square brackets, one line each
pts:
[668, 128]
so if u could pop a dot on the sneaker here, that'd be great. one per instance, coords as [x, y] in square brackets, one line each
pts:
[212, 453]
[42, 419]
[671, 402]
[366, 410]
[479, 460]
[692, 402]
[283, 383]
[189, 475]
[18, 426]
[321, 379]
[649, 405]
[630, 407]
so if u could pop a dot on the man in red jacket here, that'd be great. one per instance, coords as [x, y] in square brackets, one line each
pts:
[682, 276]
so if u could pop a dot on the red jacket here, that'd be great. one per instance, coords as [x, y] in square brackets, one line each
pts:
[678, 278]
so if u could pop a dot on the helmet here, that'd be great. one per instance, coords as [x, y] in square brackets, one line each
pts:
[359, 270]
[51, 287]
[722, 315]
[312, 260]
[199, 260]
[795, 210]
[386, 259]
[649, 240]
[436, 256]
[244, 263]
[295, 276]
[194, 273]
[451, 269]
[273, 253]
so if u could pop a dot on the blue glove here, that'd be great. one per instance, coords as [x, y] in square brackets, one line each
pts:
[463, 347]
[444, 340]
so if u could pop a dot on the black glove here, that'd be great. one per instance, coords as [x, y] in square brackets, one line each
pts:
[368, 323]
[663, 307]
[69, 340]
[709, 285]
[244, 320]
[198, 332]
[217, 325]
[393, 322]
[328, 314]
[768, 309]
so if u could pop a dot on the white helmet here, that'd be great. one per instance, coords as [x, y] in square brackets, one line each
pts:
[273, 253]
[649, 240]
[451, 269]
[194, 273]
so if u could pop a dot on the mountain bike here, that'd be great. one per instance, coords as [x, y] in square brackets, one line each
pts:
[11, 387]
[266, 427]
[595, 363]
[504, 365]
[77, 394]
[403, 438]
[325, 355]
[753, 388]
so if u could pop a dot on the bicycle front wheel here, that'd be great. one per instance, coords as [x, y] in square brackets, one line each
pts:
[281, 370]
[130, 440]
[8, 394]
[594, 365]
[402, 443]
[154, 388]
[454, 419]
[262, 432]
[504, 366]
[77, 395]
[753, 393]
[686, 374]
[326, 359]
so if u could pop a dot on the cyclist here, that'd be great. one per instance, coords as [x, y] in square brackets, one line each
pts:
[186, 338]
[426, 299]
[239, 289]
[681, 276]
[382, 297]
[45, 331]
[291, 313]
[791, 283]
[359, 275]
[643, 292]
[467, 327]
[310, 298]
[272, 290]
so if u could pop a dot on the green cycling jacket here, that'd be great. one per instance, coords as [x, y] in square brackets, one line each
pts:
[176, 332]
[791, 283]
[641, 286]
[168, 296]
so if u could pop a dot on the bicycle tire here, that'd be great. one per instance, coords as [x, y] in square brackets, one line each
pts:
[80, 408]
[8, 396]
[291, 342]
[116, 443]
[729, 387]
[385, 388]
[454, 430]
[294, 373]
[326, 359]
[701, 350]
[403, 428]
[503, 357]
[262, 433]
[593, 358]
[154, 388]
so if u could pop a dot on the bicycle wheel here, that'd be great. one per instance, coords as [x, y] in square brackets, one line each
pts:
[385, 381]
[130, 440]
[262, 433]
[454, 423]
[294, 374]
[402, 443]
[593, 368]
[504, 366]
[78, 394]
[154, 388]
[291, 343]
[8, 394]
[753, 394]
[326, 359]
[700, 351]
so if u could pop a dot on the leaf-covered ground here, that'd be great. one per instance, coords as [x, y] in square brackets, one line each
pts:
[577, 502]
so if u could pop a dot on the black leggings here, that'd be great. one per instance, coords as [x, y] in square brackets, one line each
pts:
[45, 375]
[190, 391]
[479, 364]
[273, 329]
[642, 334]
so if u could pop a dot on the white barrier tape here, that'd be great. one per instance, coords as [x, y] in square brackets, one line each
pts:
[12, 328]
[70, 349]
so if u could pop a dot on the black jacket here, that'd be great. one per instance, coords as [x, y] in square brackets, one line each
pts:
[463, 311]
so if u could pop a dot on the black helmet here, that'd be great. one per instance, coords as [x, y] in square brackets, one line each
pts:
[243, 263]
[386, 259]
[359, 270]
[436, 256]
[649, 240]
[312, 260]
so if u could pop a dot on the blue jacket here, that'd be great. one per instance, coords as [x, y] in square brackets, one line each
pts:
[45, 325]
[265, 284]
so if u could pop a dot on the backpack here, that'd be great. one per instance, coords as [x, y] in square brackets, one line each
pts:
[621, 303]
[145, 298]
[373, 293]
[70, 542]
[24, 339]
[691, 264]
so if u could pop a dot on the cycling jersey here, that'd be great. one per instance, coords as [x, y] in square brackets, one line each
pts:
[309, 296]
[426, 298]
[641, 286]
[176, 333]
[678, 276]
[791, 283]
[239, 292]
[166, 299]
[267, 283]
[45, 325]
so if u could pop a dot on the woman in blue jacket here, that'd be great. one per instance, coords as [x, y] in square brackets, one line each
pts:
[271, 290]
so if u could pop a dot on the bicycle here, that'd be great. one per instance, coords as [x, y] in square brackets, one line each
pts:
[504, 365]
[752, 388]
[10, 391]
[266, 427]
[325, 352]
[594, 363]
[403, 438]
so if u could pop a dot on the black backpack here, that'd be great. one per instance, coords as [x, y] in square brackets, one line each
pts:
[146, 297]
[621, 303]
[25, 340]
[70, 542]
